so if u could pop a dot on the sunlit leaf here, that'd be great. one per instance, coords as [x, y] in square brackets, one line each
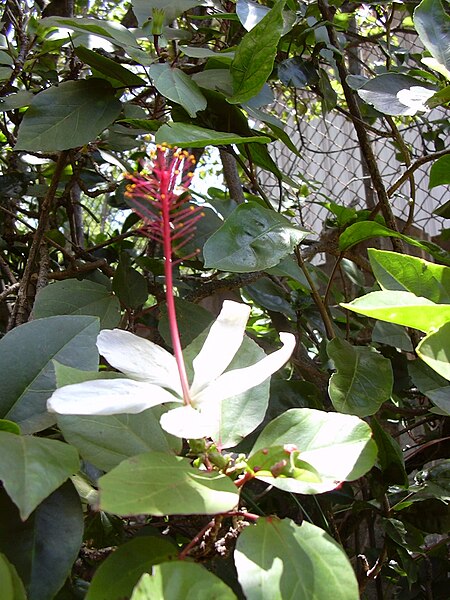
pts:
[161, 484]
[255, 55]
[401, 272]
[339, 447]
[186, 580]
[175, 85]
[278, 559]
[403, 308]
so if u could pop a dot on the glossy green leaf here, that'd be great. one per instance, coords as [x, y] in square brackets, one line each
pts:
[119, 573]
[339, 447]
[174, 84]
[74, 297]
[297, 72]
[160, 484]
[28, 382]
[429, 383]
[11, 585]
[252, 238]
[192, 136]
[384, 93]
[44, 548]
[32, 468]
[440, 172]
[401, 272]
[434, 349]
[255, 55]
[69, 115]
[363, 378]
[186, 580]
[433, 26]
[279, 559]
[403, 308]
[109, 67]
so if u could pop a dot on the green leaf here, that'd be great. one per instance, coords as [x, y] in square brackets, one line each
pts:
[393, 335]
[17, 100]
[339, 447]
[192, 318]
[185, 135]
[382, 93]
[440, 172]
[405, 273]
[12, 586]
[282, 462]
[403, 308]
[186, 580]
[252, 238]
[390, 456]
[112, 31]
[10, 426]
[73, 297]
[175, 85]
[109, 67]
[119, 573]
[278, 559]
[105, 441]
[44, 548]
[363, 378]
[432, 24]
[364, 230]
[69, 115]
[28, 376]
[429, 383]
[129, 284]
[32, 468]
[255, 55]
[160, 484]
[434, 349]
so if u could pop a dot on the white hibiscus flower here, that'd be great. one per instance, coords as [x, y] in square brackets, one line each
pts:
[152, 377]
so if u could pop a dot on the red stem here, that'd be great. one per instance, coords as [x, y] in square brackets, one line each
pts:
[168, 271]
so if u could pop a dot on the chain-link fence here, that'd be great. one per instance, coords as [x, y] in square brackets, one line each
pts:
[331, 158]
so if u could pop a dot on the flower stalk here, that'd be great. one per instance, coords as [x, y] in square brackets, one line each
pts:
[168, 221]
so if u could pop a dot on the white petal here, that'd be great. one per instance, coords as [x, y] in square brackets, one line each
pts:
[238, 381]
[186, 422]
[223, 341]
[107, 397]
[139, 359]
